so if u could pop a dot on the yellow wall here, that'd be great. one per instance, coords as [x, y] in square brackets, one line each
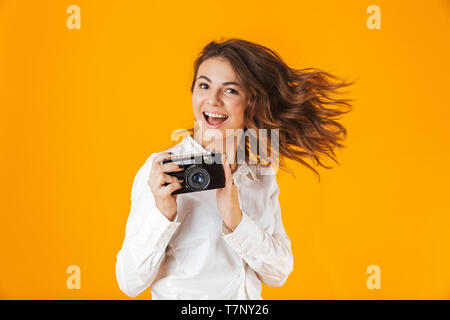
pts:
[81, 110]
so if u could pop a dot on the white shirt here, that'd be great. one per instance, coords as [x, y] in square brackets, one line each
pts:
[196, 256]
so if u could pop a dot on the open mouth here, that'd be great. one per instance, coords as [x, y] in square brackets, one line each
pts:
[214, 119]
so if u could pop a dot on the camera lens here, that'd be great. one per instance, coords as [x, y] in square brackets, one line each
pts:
[197, 178]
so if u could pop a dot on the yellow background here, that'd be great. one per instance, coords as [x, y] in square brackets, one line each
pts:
[81, 111]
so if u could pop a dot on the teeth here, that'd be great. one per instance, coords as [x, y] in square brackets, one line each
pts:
[215, 115]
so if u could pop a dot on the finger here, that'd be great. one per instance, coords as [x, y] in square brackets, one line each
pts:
[162, 156]
[171, 167]
[156, 164]
[164, 179]
[227, 171]
[167, 190]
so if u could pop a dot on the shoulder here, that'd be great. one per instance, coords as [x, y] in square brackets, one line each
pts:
[267, 177]
[258, 179]
[265, 174]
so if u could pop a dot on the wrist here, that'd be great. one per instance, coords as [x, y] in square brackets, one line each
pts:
[234, 223]
[172, 217]
[168, 214]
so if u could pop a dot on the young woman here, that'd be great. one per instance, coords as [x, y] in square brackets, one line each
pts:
[222, 243]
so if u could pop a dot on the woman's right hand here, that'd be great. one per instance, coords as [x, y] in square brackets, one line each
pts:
[165, 201]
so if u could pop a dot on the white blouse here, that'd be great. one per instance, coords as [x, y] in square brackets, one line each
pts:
[196, 256]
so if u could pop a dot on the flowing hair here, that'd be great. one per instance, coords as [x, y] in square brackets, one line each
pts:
[297, 102]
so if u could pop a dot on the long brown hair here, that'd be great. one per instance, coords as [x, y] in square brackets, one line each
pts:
[298, 102]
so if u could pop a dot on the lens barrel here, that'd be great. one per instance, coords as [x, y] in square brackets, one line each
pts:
[197, 178]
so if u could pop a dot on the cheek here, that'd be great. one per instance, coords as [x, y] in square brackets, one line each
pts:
[238, 112]
[196, 104]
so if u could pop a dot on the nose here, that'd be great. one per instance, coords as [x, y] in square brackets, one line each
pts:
[214, 98]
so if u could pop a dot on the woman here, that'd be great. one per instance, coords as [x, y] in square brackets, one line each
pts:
[222, 243]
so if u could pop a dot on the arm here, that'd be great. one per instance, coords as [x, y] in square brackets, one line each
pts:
[268, 253]
[147, 235]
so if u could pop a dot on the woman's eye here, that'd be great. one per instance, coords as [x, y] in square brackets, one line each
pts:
[206, 86]
[234, 91]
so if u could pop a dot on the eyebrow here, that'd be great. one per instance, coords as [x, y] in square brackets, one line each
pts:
[225, 83]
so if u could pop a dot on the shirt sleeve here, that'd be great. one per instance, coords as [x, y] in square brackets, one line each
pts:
[269, 254]
[147, 234]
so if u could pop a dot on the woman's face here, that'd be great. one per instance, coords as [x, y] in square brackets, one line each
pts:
[218, 99]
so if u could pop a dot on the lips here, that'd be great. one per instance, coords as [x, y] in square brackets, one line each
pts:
[213, 122]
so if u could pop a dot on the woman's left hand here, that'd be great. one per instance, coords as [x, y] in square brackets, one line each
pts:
[228, 199]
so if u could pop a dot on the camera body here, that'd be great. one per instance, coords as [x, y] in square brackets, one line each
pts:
[200, 172]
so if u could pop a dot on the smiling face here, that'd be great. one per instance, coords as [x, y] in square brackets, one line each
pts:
[218, 99]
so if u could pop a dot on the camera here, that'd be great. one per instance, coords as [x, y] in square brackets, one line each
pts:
[200, 172]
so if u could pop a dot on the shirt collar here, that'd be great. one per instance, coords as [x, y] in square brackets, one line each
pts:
[244, 169]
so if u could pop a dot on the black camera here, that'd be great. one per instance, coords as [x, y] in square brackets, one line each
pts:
[200, 172]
